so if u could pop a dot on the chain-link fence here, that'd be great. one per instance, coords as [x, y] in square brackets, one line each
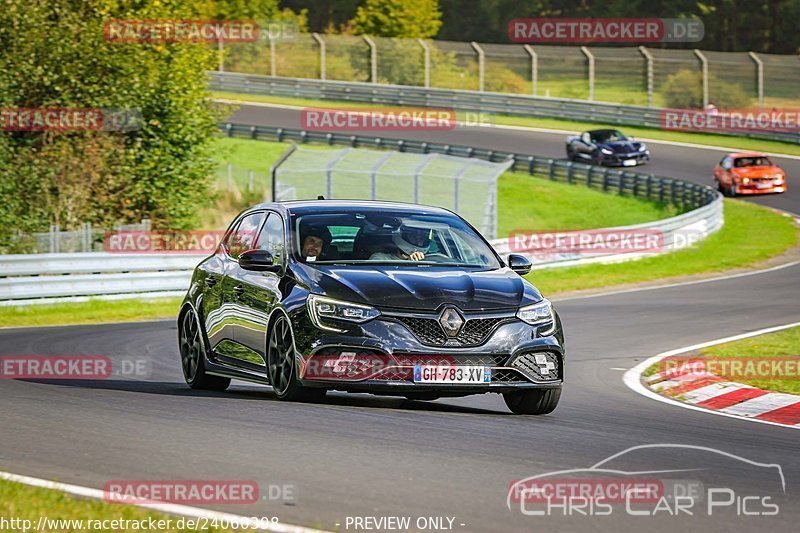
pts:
[628, 75]
[468, 186]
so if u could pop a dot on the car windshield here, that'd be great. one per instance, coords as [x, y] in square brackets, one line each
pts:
[397, 238]
[756, 161]
[607, 136]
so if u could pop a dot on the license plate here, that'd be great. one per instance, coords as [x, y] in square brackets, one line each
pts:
[629, 163]
[763, 185]
[452, 374]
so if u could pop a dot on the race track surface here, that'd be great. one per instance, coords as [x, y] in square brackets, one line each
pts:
[687, 163]
[358, 455]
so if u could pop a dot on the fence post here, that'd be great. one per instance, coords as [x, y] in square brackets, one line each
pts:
[649, 59]
[457, 183]
[322, 56]
[704, 68]
[590, 57]
[534, 68]
[759, 78]
[87, 237]
[272, 67]
[373, 59]
[273, 170]
[220, 54]
[374, 175]
[481, 62]
[426, 51]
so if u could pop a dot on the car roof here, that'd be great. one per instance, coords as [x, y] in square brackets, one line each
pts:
[318, 206]
[737, 155]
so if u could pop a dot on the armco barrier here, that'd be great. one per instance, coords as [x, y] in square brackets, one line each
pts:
[487, 102]
[43, 278]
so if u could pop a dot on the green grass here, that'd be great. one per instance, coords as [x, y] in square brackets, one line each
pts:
[31, 503]
[751, 234]
[532, 204]
[91, 312]
[779, 344]
[734, 143]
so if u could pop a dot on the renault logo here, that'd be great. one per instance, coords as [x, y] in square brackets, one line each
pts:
[451, 321]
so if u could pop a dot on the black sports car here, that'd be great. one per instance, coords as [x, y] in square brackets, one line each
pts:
[607, 147]
[378, 297]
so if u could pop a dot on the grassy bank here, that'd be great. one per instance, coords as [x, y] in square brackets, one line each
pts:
[91, 312]
[751, 234]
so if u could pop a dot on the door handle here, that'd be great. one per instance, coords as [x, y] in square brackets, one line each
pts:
[238, 290]
[211, 281]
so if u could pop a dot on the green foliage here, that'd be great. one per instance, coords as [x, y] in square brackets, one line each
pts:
[55, 55]
[684, 90]
[391, 18]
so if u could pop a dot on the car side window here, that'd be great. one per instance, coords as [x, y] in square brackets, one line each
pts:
[586, 139]
[244, 236]
[271, 237]
[727, 163]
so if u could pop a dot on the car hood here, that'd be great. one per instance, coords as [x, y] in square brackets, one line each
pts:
[420, 288]
[757, 172]
[621, 147]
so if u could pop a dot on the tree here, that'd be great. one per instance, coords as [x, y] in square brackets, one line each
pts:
[390, 18]
[55, 55]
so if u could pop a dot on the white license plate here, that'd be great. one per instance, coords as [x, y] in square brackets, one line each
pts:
[763, 185]
[452, 374]
[629, 163]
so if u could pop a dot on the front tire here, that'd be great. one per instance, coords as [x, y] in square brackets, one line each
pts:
[532, 402]
[193, 356]
[281, 365]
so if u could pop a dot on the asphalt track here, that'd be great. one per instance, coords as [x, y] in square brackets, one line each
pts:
[358, 455]
[687, 163]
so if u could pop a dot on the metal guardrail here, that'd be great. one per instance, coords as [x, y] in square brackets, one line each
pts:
[685, 194]
[43, 278]
[486, 102]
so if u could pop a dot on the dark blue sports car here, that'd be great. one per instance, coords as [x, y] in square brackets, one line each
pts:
[607, 147]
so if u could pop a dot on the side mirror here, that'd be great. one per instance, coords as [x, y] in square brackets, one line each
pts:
[519, 264]
[258, 261]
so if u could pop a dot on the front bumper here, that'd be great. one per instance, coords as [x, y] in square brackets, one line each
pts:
[380, 357]
[764, 188]
[622, 160]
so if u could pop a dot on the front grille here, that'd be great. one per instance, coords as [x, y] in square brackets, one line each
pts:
[475, 331]
[504, 375]
[539, 366]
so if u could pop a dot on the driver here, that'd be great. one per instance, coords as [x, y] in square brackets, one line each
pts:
[412, 243]
[313, 242]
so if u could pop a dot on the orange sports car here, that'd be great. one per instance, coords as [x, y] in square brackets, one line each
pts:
[749, 173]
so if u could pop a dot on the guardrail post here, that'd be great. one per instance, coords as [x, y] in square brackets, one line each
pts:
[621, 184]
[569, 172]
[759, 78]
[704, 69]
[590, 57]
[373, 59]
[534, 68]
[322, 55]
[551, 169]
[672, 193]
[649, 186]
[481, 64]
[87, 237]
[635, 186]
[531, 165]
[605, 179]
[426, 52]
[272, 66]
[649, 59]
[589, 176]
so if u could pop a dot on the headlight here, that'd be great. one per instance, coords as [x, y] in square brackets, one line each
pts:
[642, 147]
[606, 151]
[538, 314]
[326, 312]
